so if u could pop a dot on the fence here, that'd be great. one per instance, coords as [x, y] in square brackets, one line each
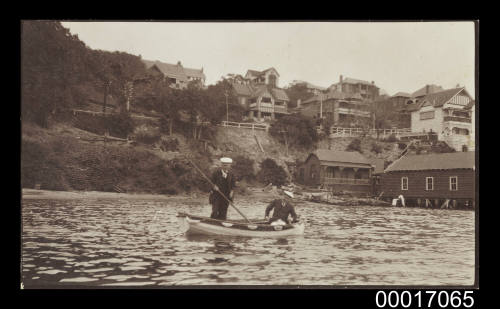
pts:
[350, 181]
[245, 125]
[350, 132]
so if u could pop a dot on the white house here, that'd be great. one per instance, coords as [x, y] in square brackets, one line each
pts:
[448, 114]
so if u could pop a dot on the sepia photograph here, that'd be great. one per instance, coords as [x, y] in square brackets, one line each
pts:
[293, 154]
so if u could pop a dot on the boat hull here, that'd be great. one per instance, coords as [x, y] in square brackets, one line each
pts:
[195, 225]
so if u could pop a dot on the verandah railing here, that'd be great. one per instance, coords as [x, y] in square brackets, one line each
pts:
[348, 132]
[350, 181]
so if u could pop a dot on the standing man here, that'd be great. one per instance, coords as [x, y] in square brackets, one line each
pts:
[224, 182]
[282, 209]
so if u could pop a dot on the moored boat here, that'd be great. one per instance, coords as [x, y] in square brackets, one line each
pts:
[203, 225]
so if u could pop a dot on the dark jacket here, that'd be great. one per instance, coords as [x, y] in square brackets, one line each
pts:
[226, 185]
[281, 210]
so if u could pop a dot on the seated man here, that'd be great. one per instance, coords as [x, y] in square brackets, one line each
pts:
[282, 209]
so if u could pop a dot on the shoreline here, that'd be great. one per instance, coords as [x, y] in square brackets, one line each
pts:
[66, 195]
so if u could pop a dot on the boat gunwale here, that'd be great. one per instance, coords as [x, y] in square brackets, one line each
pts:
[239, 225]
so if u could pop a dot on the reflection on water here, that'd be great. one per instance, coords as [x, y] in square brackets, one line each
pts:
[101, 243]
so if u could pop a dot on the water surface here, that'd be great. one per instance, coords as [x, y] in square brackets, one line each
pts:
[120, 242]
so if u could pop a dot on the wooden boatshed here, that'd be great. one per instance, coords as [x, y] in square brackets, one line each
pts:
[443, 180]
[346, 171]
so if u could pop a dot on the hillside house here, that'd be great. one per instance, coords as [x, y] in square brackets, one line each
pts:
[176, 74]
[432, 177]
[367, 90]
[310, 87]
[337, 170]
[342, 109]
[447, 113]
[259, 93]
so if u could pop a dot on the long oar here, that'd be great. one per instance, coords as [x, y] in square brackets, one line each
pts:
[208, 179]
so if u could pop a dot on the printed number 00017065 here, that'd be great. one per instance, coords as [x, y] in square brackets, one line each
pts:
[441, 299]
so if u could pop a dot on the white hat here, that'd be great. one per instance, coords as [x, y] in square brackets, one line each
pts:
[290, 194]
[226, 160]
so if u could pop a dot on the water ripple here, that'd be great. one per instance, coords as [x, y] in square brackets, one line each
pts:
[109, 242]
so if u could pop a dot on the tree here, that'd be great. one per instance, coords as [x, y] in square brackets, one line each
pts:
[55, 65]
[296, 92]
[270, 172]
[52, 63]
[294, 131]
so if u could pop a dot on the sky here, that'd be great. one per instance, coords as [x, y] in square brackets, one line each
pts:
[397, 56]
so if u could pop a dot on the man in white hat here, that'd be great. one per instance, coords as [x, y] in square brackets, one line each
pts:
[224, 182]
[283, 208]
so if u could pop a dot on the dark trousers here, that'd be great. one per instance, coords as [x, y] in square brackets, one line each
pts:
[219, 209]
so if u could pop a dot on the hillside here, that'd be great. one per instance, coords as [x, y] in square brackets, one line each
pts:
[67, 158]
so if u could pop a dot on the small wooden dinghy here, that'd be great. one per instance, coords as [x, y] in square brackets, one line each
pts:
[202, 225]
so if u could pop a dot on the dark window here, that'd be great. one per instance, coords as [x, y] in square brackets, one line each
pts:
[429, 183]
[404, 183]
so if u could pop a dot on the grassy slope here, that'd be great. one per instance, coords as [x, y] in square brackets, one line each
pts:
[62, 158]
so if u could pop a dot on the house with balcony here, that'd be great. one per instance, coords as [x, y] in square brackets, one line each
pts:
[345, 171]
[178, 76]
[367, 90]
[259, 93]
[448, 114]
[342, 109]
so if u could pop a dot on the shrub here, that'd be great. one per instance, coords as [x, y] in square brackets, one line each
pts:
[243, 168]
[270, 172]
[355, 145]
[402, 146]
[391, 138]
[146, 135]
[120, 125]
[376, 148]
[164, 125]
[169, 144]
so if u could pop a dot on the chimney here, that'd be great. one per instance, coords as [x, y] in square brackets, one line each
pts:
[179, 63]
[341, 79]
[427, 89]
[340, 83]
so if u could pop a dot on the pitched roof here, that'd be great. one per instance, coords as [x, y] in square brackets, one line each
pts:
[279, 94]
[259, 73]
[402, 94]
[423, 91]
[194, 73]
[259, 90]
[437, 99]
[379, 165]
[175, 70]
[341, 156]
[242, 90]
[254, 72]
[440, 98]
[435, 161]
[333, 95]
